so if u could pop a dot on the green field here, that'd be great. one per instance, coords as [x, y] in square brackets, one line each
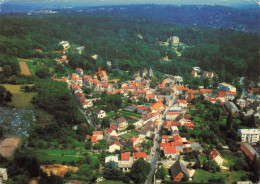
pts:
[230, 176]
[126, 113]
[111, 182]
[20, 98]
[231, 157]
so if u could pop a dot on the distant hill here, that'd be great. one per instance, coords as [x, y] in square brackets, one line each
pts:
[243, 19]
[199, 15]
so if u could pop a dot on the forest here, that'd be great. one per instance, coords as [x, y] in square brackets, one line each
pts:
[115, 38]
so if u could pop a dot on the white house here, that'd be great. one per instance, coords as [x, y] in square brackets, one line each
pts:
[111, 158]
[86, 104]
[3, 174]
[99, 113]
[65, 44]
[115, 145]
[109, 132]
[215, 155]
[170, 152]
[98, 134]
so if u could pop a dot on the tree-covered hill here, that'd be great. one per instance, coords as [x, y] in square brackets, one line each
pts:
[115, 37]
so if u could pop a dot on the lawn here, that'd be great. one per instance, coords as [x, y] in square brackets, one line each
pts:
[126, 113]
[134, 133]
[20, 99]
[231, 157]
[31, 67]
[230, 176]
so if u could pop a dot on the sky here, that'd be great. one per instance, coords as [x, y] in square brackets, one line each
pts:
[113, 2]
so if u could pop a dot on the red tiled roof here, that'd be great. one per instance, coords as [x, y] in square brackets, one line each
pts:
[125, 156]
[133, 139]
[189, 124]
[108, 130]
[94, 139]
[140, 155]
[114, 127]
[165, 144]
[177, 137]
[176, 143]
[170, 150]
[213, 154]
[97, 132]
[172, 113]
[116, 143]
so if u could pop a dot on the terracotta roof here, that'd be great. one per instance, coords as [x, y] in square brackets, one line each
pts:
[165, 144]
[108, 130]
[182, 89]
[213, 154]
[97, 132]
[170, 150]
[172, 113]
[140, 155]
[125, 156]
[189, 124]
[94, 139]
[121, 120]
[133, 139]
[114, 127]
[176, 143]
[177, 137]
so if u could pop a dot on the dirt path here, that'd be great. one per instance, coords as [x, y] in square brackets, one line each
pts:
[24, 68]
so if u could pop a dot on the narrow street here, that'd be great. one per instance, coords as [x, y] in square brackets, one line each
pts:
[156, 148]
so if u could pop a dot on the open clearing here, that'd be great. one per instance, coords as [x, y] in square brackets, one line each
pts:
[20, 99]
[24, 68]
[8, 146]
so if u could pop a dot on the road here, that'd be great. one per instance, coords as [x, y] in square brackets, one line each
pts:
[157, 141]
[243, 95]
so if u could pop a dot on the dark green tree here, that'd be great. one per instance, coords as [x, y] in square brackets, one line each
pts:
[140, 171]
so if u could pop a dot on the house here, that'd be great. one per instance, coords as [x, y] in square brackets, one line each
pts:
[134, 141]
[121, 123]
[79, 71]
[3, 175]
[215, 155]
[99, 113]
[148, 129]
[196, 147]
[157, 107]
[86, 104]
[93, 140]
[64, 44]
[209, 75]
[76, 79]
[231, 107]
[115, 145]
[226, 87]
[126, 161]
[179, 170]
[174, 130]
[249, 135]
[138, 155]
[241, 103]
[112, 159]
[194, 74]
[250, 151]
[196, 68]
[174, 40]
[98, 134]
[109, 132]
[80, 49]
[171, 116]
[170, 151]
[101, 75]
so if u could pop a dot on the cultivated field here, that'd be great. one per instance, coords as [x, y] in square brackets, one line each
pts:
[8, 146]
[20, 99]
[24, 68]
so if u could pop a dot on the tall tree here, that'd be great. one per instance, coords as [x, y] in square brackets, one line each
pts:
[140, 171]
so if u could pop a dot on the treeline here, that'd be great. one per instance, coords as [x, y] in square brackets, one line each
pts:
[117, 38]
[54, 97]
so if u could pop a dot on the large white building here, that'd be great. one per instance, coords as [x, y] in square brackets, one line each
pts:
[226, 87]
[249, 135]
